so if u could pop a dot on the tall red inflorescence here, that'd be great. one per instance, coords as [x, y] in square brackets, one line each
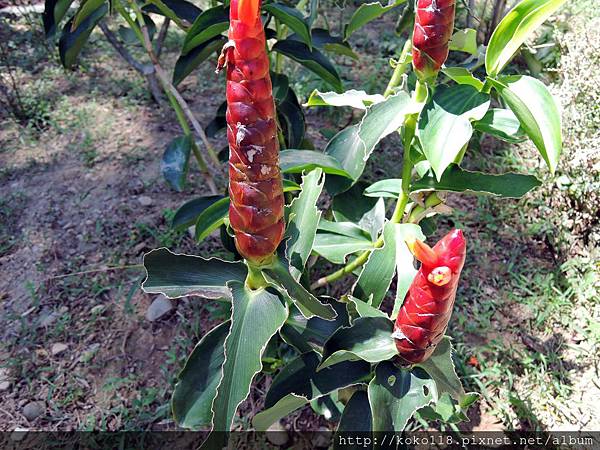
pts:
[434, 23]
[256, 212]
[427, 308]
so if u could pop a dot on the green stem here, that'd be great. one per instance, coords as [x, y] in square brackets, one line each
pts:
[400, 69]
[255, 279]
[410, 126]
[280, 31]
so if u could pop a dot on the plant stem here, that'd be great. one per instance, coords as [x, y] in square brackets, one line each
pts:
[400, 69]
[410, 126]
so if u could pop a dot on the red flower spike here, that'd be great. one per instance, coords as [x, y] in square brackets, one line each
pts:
[427, 308]
[255, 187]
[434, 23]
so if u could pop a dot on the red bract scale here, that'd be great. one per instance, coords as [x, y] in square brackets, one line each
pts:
[427, 308]
[255, 187]
[434, 23]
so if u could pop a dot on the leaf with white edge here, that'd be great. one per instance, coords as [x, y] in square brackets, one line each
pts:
[537, 111]
[175, 162]
[298, 161]
[405, 268]
[180, 11]
[244, 347]
[364, 309]
[355, 99]
[357, 417]
[464, 41]
[395, 394]
[349, 229]
[211, 218]
[176, 275]
[377, 274]
[335, 247]
[390, 188]
[368, 338]
[72, 40]
[304, 219]
[445, 123]
[463, 76]
[280, 276]
[440, 368]
[353, 145]
[502, 124]
[456, 179]
[352, 205]
[312, 59]
[208, 24]
[197, 382]
[372, 221]
[514, 29]
[292, 18]
[310, 334]
[299, 382]
[366, 13]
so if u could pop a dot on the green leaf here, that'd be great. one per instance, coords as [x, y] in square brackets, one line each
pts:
[503, 124]
[72, 40]
[304, 218]
[456, 179]
[299, 382]
[463, 76]
[176, 275]
[197, 382]
[244, 347]
[353, 98]
[85, 10]
[292, 18]
[298, 161]
[281, 278]
[366, 13]
[445, 123]
[291, 118]
[175, 162]
[373, 220]
[377, 274]
[464, 41]
[335, 247]
[514, 29]
[364, 309]
[206, 26]
[187, 215]
[310, 334]
[405, 268]
[176, 10]
[54, 13]
[185, 64]
[395, 394]
[357, 417]
[368, 338]
[322, 39]
[312, 59]
[390, 188]
[440, 368]
[211, 218]
[537, 111]
[344, 228]
[352, 205]
[353, 145]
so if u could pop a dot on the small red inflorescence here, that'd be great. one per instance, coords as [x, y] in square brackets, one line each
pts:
[255, 186]
[434, 24]
[427, 308]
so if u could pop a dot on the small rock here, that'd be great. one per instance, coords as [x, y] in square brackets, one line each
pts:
[58, 348]
[4, 386]
[277, 434]
[48, 320]
[19, 434]
[33, 410]
[97, 309]
[145, 200]
[159, 308]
